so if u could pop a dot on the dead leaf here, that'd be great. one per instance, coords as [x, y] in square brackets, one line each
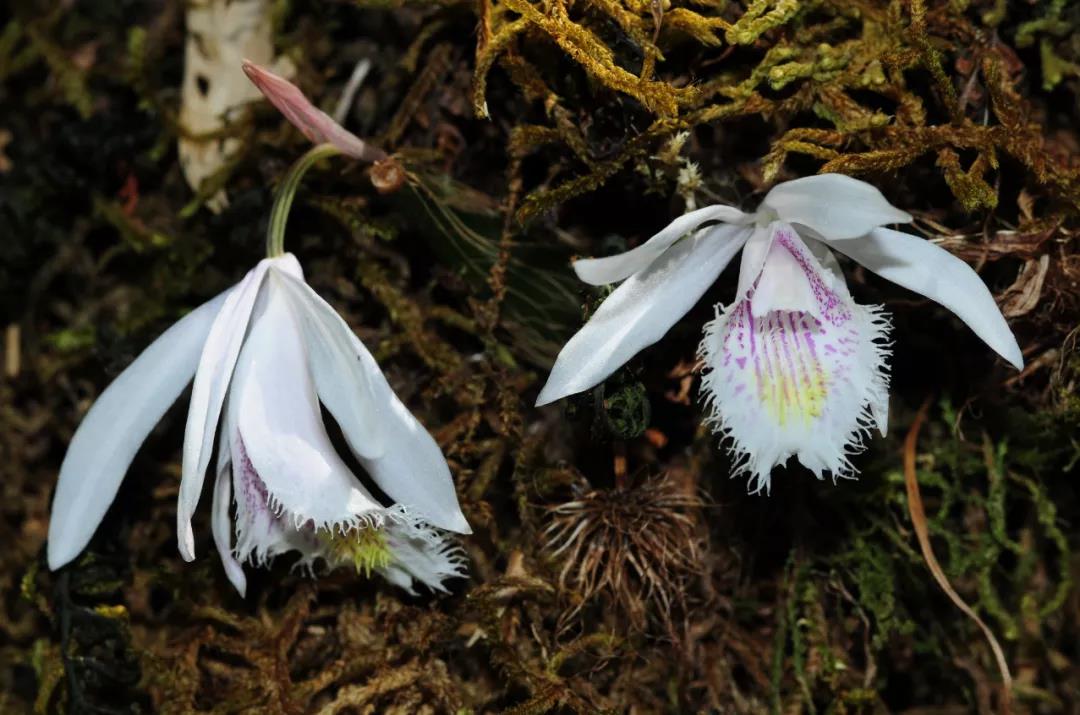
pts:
[656, 438]
[1026, 203]
[1004, 244]
[684, 372]
[5, 162]
[85, 57]
[1023, 295]
[922, 533]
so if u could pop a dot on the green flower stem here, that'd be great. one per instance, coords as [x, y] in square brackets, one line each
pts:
[279, 214]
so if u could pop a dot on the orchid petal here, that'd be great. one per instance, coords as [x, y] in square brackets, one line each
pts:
[312, 122]
[834, 205]
[879, 411]
[208, 392]
[395, 449]
[825, 256]
[879, 408]
[412, 469]
[116, 425]
[793, 279]
[641, 310]
[280, 425]
[263, 531]
[921, 266]
[601, 271]
[342, 379]
[751, 262]
[421, 554]
[220, 523]
[801, 382]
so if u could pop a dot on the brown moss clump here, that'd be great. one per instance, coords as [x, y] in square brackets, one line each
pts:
[634, 547]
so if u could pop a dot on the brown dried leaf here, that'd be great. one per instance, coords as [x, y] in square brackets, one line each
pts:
[1023, 295]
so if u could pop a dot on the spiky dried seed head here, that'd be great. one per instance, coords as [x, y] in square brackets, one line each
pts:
[636, 546]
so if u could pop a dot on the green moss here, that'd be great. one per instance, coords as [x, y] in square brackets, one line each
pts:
[627, 411]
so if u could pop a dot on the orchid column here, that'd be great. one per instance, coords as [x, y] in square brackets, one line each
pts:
[265, 355]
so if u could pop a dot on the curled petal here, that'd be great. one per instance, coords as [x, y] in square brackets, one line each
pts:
[930, 270]
[612, 269]
[833, 205]
[825, 257]
[263, 531]
[806, 382]
[220, 522]
[208, 392]
[312, 122]
[116, 425]
[342, 378]
[794, 280]
[753, 256]
[641, 310]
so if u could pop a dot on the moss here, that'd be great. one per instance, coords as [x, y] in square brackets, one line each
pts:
[529, 132]
[626, 411]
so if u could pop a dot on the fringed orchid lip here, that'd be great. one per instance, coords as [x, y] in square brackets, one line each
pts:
[397, 544]
[794, 367]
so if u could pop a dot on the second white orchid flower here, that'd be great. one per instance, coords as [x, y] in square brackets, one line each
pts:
[793, 366]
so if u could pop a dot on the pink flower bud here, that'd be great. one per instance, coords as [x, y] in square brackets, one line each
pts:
[314, 123]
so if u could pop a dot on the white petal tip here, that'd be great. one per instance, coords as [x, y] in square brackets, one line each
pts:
[58, 557]
[546, 397]
[895, 215]
[881, 417]
[585, 270]
[236, 577]
[185, 543]
[66, 538]
[458, 524]
[560, 386]
[1014, 356]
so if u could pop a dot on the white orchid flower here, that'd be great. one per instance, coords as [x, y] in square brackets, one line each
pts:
[793, 365]
[264, 355]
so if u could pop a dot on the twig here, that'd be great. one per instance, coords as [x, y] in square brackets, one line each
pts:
[12, 350]
[359, 74]
[918, 520]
